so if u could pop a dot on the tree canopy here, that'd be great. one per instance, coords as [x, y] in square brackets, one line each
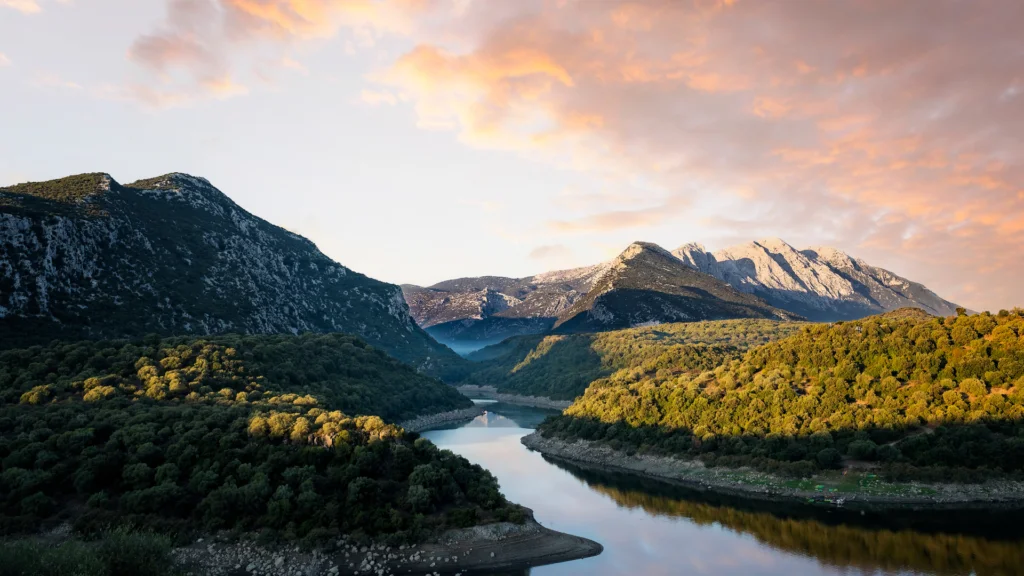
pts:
[923, 397]
[561, 367]
[282, 435]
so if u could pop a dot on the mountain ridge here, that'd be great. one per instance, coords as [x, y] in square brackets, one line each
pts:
[821, 283]
[86, 257]
[818, 283]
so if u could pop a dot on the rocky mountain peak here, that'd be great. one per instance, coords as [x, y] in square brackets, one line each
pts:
[637, 248]
[821, 283]
[775, 245]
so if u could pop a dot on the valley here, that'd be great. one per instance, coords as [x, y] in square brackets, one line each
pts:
[213, 394]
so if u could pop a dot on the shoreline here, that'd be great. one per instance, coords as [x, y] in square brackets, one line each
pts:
[491, 393]
[427, 421]
[499, 546]
[765, 487]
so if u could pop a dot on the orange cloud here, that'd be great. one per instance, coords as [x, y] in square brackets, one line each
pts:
[897, 137]
[23, 6]
[670, 209]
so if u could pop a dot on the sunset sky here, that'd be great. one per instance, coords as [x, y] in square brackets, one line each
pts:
[419, 140]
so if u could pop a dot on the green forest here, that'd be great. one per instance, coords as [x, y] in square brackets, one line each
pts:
[284, 436]
[561, 367]
[919, 397]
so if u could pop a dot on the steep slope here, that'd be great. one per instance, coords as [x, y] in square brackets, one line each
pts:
[469, 313]
[85, 257]
[562, 366]
[821, 284]
[647, 284]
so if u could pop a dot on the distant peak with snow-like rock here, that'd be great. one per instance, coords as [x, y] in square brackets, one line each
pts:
[820, 283]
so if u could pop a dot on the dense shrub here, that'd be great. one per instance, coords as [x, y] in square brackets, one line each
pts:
[561, 367]
[903, 389]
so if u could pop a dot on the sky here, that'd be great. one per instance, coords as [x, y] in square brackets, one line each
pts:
[420, 140]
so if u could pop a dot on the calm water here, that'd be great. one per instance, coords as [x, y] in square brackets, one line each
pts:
[650, 528]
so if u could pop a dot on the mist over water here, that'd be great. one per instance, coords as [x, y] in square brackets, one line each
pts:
[653, 528]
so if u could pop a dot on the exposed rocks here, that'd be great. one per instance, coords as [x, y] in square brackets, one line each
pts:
[822, 284]
[431, 420]
[761, 486]
[491, 393]
[492, 546]
[217, 269]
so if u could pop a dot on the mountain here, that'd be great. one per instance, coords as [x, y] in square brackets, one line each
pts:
[822, 284]
[469, 313]
[84, 257]
[646, 284]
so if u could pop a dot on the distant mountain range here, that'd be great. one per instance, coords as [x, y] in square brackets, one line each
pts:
[86, 257]
[821, 284]
[646, 284]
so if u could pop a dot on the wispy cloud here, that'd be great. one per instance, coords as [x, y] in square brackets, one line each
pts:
[4, 60]
[551, 252]
[378, 97]
[612, 220]
[50, 80]
[23, 6]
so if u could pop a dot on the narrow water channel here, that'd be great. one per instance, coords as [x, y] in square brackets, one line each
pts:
[651, 528]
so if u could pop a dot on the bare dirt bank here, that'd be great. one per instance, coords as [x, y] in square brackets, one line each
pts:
[857, 491]
[491, 393]
[501, 546]
[428, 421]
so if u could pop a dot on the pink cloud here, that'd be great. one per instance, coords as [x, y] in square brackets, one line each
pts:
[891, 129]
[905, 121]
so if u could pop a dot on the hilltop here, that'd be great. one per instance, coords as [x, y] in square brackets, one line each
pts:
[87, 257]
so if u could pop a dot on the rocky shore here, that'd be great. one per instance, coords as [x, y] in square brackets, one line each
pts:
[491, 393]
[830, 491]
[422, 423]
[500, 546]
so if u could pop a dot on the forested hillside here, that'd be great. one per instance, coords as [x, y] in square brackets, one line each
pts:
[561, 367]
[939, 398]
[276, 434]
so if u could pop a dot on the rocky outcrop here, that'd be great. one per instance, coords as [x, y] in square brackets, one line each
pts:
[491, 393]
[481, 549]
[429, 421]
[85, 257]
[647, 285]
[822, 284]
[761, 486]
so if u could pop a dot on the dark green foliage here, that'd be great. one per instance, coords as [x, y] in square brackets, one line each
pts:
[67, 190]
[561, 367]
[121, 552]
[897, 389]
[234, 432]
[326, 370]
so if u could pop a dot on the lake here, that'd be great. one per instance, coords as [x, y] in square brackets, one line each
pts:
[653, 528]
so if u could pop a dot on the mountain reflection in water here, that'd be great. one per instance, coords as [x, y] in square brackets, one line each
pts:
[650, 527]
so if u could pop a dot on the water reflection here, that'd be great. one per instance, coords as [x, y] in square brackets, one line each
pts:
[842, 539]
[653, 528]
